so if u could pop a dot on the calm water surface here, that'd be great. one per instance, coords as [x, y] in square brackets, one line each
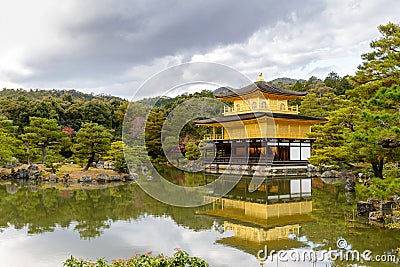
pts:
[41, 227]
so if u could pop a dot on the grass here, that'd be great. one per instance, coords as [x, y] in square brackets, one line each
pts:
[76, 172]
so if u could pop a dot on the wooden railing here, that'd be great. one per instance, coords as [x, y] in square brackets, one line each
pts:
[213, 136]
[249, 135]
[273, 108]
[252, 161]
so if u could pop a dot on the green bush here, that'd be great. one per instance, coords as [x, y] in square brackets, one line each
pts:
[192, 151]
[179, 259]
[382, 189]
[53, 162]
[120, 164]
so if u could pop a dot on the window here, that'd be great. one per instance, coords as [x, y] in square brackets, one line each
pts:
[282, 107]
[305, 153]
[306, 187]
[254, 105]
[294, 153]
[295, 187]
[264, 105]
[237, 107]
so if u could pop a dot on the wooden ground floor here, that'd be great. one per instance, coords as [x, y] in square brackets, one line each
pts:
[256, 155]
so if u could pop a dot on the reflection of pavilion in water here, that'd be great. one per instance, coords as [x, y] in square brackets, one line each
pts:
[270, 190]
[266, 215]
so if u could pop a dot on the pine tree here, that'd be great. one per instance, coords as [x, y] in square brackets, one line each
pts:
[9, 144]
[192, 151]
[92, 141]
[154, 125]
[381, 67]
[44, 134]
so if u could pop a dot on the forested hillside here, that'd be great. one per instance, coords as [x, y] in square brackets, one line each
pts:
[41, 125]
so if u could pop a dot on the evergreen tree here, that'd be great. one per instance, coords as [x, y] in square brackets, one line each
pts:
[44, 133]
[9, 144]
[98, 112]
[192, 151]
[28, 146]
[50, 108]
[320, 100]
[53, 162]
[340, 85]
[381, 67]
[74, 115]
[172, 149]
[116, 154]
[154, 125]
[91, 142]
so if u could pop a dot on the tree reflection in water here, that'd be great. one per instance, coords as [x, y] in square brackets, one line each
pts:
[91, 210]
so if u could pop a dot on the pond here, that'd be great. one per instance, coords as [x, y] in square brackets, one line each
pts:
[42, 226]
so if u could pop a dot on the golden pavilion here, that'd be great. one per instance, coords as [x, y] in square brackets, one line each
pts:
[259, 127]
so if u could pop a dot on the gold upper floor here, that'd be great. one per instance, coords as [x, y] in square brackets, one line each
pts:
[260, 103]
[263, 112]
[261, 128]
[259, 97]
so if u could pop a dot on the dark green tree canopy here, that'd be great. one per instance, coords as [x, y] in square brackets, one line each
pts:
[192, 151]
[45, 133]
[9, 144]
[91, 142]
[98, 112]
[381, 67]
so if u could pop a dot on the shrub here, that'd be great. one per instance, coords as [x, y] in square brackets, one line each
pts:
[382, 189]
[180, 258]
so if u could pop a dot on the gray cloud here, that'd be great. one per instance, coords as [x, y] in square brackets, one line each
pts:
[125, 239]
[309, 44]
[200, 74]
[104, 38]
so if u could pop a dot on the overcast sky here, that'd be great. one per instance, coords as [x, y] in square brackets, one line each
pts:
[112, 47]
